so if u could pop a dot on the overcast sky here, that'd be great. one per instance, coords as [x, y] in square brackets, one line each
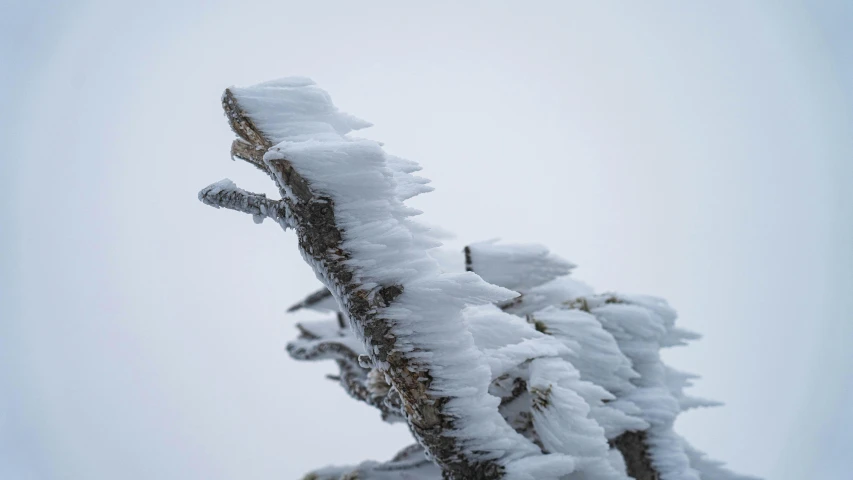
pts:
[700, 151]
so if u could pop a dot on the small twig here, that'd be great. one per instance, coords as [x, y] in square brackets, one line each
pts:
[225, 194]
[312, 299]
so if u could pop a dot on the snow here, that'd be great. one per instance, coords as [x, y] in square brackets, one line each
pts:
[560, 414]
[556, 292]
[295, 108]
[518, 267]
[641, 325]
[590, 363]
[596, 354]
[544, 467]
[508, 341]
[614, 341]
[387, 248]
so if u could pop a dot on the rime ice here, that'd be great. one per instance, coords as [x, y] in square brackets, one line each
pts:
[511, 369]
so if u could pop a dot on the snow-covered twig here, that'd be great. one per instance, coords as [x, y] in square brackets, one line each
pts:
[225, 194]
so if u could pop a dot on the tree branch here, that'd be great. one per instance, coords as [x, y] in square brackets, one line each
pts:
[312, 299]
[358, 381]
[424, 362]
[225, 194]
[249, 153]
[320, 239]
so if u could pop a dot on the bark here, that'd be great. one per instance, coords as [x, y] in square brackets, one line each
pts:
[358, 381]
[633, 447]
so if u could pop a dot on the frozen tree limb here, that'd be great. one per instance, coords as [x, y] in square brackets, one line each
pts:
[313, 215]
[554, 384]
[225, 194]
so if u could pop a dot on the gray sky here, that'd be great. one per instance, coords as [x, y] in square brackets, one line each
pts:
[700, 151]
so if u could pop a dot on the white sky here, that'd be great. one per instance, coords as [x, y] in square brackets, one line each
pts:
[699, 151]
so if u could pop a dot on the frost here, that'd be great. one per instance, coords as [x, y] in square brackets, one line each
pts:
[545, 467]
[508, 369]
[366, 188]
[596, 354]
[295, 109]
[516, 266]
[556, 292]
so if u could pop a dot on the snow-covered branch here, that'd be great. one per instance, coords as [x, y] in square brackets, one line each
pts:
[225, 194]
[510, 369]
[344, 199]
